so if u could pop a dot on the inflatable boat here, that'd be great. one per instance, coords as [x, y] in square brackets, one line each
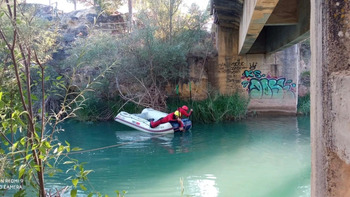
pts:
[141, 121]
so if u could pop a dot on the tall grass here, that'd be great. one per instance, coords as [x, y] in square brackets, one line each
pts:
[304, 104]
[214, 109]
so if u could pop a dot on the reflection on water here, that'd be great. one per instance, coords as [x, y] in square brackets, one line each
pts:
[260, 157]
[204, 186]
[137, 139]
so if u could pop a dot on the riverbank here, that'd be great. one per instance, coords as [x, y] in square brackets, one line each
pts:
[217, 108]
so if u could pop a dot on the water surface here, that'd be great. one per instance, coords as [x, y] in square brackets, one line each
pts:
[258, 157]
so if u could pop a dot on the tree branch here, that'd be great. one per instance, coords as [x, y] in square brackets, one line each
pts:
[43, 95]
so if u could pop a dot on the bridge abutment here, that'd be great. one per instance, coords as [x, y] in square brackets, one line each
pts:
[270, 80]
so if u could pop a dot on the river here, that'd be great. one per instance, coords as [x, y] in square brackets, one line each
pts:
[256, 157]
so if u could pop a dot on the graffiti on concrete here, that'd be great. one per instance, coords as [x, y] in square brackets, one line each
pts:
[231, 66]
[252, 66]
[265, 86]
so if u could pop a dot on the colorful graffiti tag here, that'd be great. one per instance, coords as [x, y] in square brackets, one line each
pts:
[264, 86]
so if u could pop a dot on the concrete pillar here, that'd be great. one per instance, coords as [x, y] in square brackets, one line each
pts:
[227, 46]
[270, 80]
[330, 98]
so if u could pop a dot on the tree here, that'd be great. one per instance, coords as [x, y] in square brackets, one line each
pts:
[155, 54]
[28, 148]
[109, 6]
[130, 15]
[173, 8]
[75, 4]
[163, 13]
[22, 53]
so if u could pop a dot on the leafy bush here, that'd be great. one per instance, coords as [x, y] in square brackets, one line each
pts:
[102, 110]
[29, 148]
[304, 104]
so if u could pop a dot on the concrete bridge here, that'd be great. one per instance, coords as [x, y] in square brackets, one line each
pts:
[249, 36]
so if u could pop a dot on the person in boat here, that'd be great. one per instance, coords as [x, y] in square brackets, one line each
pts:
[175, 116]
[183, 111]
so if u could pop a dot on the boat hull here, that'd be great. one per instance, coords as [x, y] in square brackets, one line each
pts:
[141, 121]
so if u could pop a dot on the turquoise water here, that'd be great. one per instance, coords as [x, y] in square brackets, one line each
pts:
[258, 157]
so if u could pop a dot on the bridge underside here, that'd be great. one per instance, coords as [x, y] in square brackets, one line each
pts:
[265, 26]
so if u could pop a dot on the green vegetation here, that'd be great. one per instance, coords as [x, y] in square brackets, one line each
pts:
[101, 75]
[304, 104]
[102, 110]
[108, 5]
[218, 108]
[143, 62]
[29, 148]
[214, 109]
[305, 74]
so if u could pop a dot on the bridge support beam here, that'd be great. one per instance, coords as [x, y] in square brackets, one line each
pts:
[255, 15]
[330, 96]
[268, 26]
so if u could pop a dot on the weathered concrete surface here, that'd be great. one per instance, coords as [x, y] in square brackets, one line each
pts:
[285, 13]
[338, 182]
[255, 15]
[272, 107]
[270, 80]
[268, 26]
[318, 155]
[330, 95]
[227, 47]
[341, 110]
[284, 36]
[227, 12]
[283, 98]
[196, 88]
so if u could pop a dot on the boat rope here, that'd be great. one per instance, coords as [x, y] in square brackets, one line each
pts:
[114, 145]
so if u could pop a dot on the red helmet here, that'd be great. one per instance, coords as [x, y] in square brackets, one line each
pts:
[184, 107]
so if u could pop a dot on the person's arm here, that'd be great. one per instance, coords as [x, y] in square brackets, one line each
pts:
[181, 124]
[184, 112]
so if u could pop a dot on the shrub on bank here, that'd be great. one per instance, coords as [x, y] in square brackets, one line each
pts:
[98, 109]
[217, 108]
[304, 104]
[214, 109]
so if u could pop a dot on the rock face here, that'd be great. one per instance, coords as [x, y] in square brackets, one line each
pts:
[75, 24]
[39, 10]
[78, 24]
[71, 26]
